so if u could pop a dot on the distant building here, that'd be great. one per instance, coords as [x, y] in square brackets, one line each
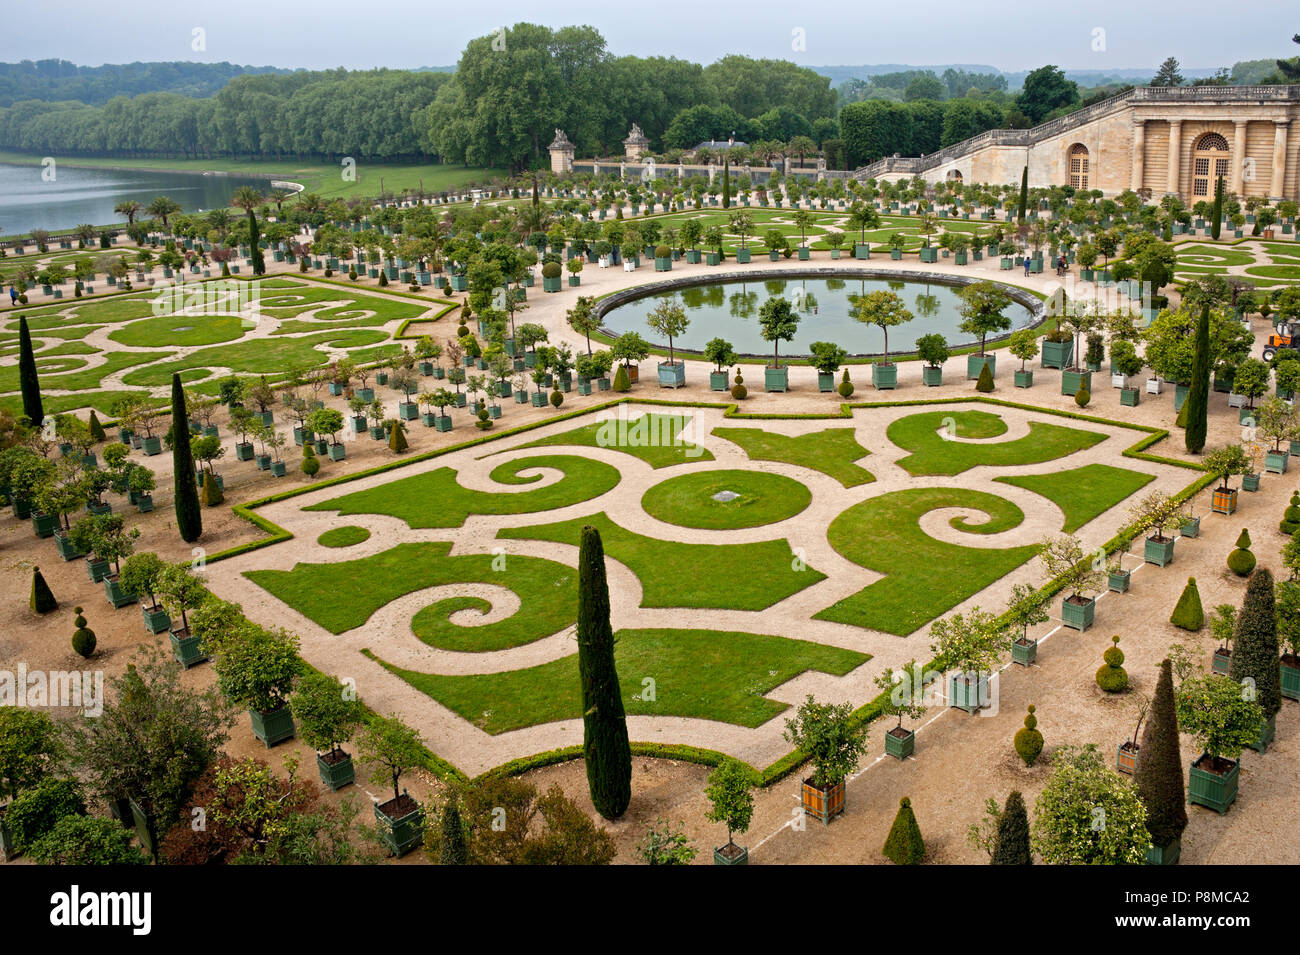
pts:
[716, 144]
[561, 153]
[636, 144]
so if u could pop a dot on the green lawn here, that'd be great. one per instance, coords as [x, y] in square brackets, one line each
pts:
[703, 674]
[1083, 493]
[724, 576]
[435, 499]
[102, 401]
[82, 380]
[932, 454]
[342, 596]
[832, 452]
[258, 356]
[180, 330]
[762, 498]
[925, 578]
[340, 304]
[121, 308]
[344, 536]
[654, 438]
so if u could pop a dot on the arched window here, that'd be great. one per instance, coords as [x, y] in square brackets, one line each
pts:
[954, 175]
[1079, 166]
[1209, 162]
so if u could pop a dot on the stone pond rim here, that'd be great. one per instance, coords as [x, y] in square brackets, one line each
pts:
[1036, 306]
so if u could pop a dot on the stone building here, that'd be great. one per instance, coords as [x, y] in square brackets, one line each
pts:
[1165, 139]
[561, 153]
[636, 144]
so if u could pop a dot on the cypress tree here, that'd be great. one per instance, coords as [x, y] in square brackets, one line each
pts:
[254, 245]
[42, 598]
[1255, 651]
[189, 518]
[604, 725]
[27, 378]
[1024, 196]
[1216, 215]
[1012, 845]
[726, 182]
[1159, 773]
[451, 848]
[1197, 404]
[1188, 613]
[904, 845]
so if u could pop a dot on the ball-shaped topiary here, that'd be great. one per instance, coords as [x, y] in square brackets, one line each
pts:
[462, 331]
[1112, 677]
[1188, 613]
[1241, 561]
[1029, 741]
[985, 383]
[557, 398]
[1291, 518]
[845, 387]
[551, 270]
[83, 638]
[738, 390]
[484, 420]
[310, 463]
[1082, 397]
[662, 252]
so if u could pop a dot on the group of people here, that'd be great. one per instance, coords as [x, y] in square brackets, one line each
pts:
[1062, 266]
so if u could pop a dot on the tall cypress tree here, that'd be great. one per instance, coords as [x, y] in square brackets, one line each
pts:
[726, 182]
[1198, 395]
[189, 517]
[451, 848]
[1255, 651]
[1012, 845]
[1216, 216]
[604, 724]
[1024, 196]
[27, 379]
[255, 245]
[1159, 773]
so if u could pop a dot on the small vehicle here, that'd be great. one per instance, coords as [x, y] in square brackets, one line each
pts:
[1285, 335]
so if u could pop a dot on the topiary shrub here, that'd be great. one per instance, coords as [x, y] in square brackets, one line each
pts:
[662, 252]
[1082, 397]
[1241, 561]
[310, 463]
[1188, 613]
[621, 381]
[738, 390]
[397, 437]
[1028, 741]
[985, 383]
[42, 598]
[484, 420]
[1112, 677]
[1181, 420]
[383, 279]
[83, 638]
[845, 387]
[212, 494]
[551, 270]
[557, 398]
[904, 845]
[1291, 518]
[462, 331]
[96, 429]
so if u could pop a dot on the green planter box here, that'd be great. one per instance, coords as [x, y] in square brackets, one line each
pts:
[338, 451]
[1215, 791]
[1165, 855]
[442, 422]
[776, 379]
[1290, 676]
[825, 382]
[43, 525]
[1078, 615]
[1057, 354]
[400, 834]
[186, 648]
[408, 410]
[929, 254]
[244, 452]
[731, 854]
[1130, 397]
[896, 254]
[1267, 733]
[22, 510]
[975, 364]
[1190, 529]
[1072, 381]
[67, 550]
[742, 256]
[861, 250]
[337, 773]
[805, 253]
[967, 695]
[156, 619]
[273, 727]
[538, 399]
[719, 380]
[713, 258]
[1024, 652]
[1275, 461]
[551, 283]
[693, 256]
[151, 446]
[672, 376]
[663, 264]
[932, 375]
[278, 469]
[900, 744]
[144, 503]
[263, 462]
[1117, 581]
[116, 594]
[1024, 379]
[884, 377]
[1250, 482]
[1158, 552]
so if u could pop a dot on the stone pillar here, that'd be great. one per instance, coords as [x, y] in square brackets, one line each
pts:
[1238, 166]
[1139, 153]
[1279, 158]
[821, 169]
[713, 168]
[622, 170]
[1175, 154]
[595, 167]
[681, 170]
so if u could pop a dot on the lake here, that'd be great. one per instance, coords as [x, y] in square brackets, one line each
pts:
[730, 310]
[80, 194]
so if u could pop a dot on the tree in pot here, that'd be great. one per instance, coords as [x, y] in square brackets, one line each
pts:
[1278, 421]
[327, 713]
[389, 748]
[1025, 610]
[630, 349]
[723, 355]
[1080, 788]
[885, 310]
[139, 577]
[1157, 512]
[669, 319]
[257, 668]
[582, 317]
[827, 735]
[981, 308]
[730, 792]
[180, 590]
[1229, 460]
[933, 350]
[906, 690]
[826, 357]
[1224, 721]
[1158, 775]
[1066, 563]
[777, 323]
[1023, 344]
[970, 644]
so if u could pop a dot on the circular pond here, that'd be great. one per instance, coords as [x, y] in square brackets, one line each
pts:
[728, 308]
[726, 499]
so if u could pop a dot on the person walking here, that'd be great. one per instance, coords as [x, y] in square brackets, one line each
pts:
[13, 295]
[1026, 264]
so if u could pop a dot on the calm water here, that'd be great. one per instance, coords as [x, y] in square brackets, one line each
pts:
[79, 194]
[730, 310]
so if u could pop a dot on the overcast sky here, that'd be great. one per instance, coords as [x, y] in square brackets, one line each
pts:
[1108, 34]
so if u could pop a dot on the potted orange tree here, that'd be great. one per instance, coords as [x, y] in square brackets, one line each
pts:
[826, 734]
[970, 644]
[328, 713]
[1213, 709]
[669, 319]
[182, 591]
[777, 323]
[731, 795]
[885, 310]
[1157, 513]
[257, 668]
[139, 577]
[906, 698]
[388, 747]
[1065, 562]
[982, 305]
[1226, 461]
[1025, 611]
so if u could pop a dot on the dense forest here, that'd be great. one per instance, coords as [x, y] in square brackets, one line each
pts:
[57, 80]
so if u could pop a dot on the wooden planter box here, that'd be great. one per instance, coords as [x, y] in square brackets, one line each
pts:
[1072, 381]
[823, 804]
[43, 525]
[1077, 614]
[1221, 661]
[932, 376]
[731, 854]
[67, 550]
[402, 833]
[1024, 651]
[97, 570]
[1117, 581]
[186, 648]
[1024, 379]
[273, 727]
[337, 771]
[115, 593]
[900, 743]
[1250, 482]
[1165, 855]
[968, 696]
[884, 377]
[776, 379]
[719, 380]
[1126, 755]
[1213, 790]
[975, 364]
[1276, 461]
[1057, 354]
[1130, 397]
[1267, 733]
[672, 375]
[156, 619]
[1158, 551]
[1224, 500]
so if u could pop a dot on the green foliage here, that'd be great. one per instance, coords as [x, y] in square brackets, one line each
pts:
[389, 748]
[310, 463]
[42, 598]
[622, 382]
[30, 749]
[397, 442]
[1028, 740]
[845, 387]
[1082, 790]
[1291, 517]
[97, 433]
[1082, 397]
[984, 384]
[1197, 404]
[189, 517]
[1241, 561]
[83, 638]
[86, 840]
[664, 845]
[827, 735]
[1011, 843]
[1158, 777]
[1255, 650]
[731, 797]
[452, 849]
[1215, 710]
[28, 379]
[326, 712]
[256, 667]
[36, 810]
[1112, 677]
[904, 845]
[1188, 613]
[738, 390]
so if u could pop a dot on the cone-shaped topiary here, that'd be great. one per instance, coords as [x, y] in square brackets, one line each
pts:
[1188, 613]
[985, 383]
[1254, 643]
[1241, 561]
[310, 463]
[97, 433]
[738, 390]
[189, 517]
[604, 724]
[212, 494]
[83, 638]
[28, 380]
[845, 387]
[451, 847]
[1181, 420]
[904, 845]
[1291, 518]
[1159, 774]
[1111, 676]
[1012, 844]
[621, 380]
[397, 438]
[1029, 741]
[1082, 397]
[42, 599]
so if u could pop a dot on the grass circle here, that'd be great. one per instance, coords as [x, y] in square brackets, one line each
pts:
[760, 498]
[344, 536]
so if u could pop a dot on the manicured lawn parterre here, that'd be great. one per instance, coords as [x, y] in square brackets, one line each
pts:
[436, 499]
[705, 674]
[723, 576]
[1084, 493]
[344, 536]
[724, 500]
[832, 451]
[932, 452]
[654, 438]
[259, 356]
